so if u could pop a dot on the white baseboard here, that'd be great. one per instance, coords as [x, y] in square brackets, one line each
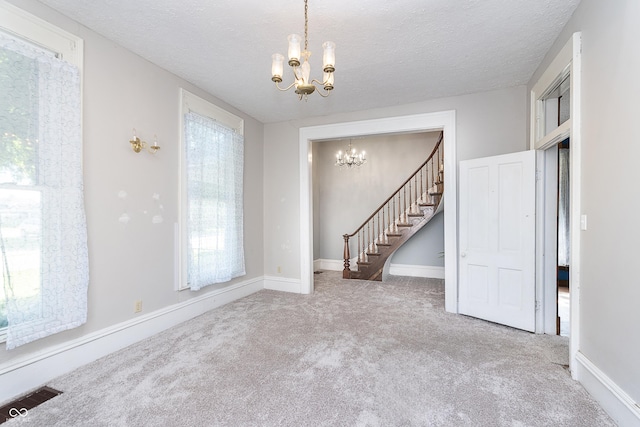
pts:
[394, 269]
[283, 284]
[618, 404]
[427, 271]
[24, 374]
[330, 264]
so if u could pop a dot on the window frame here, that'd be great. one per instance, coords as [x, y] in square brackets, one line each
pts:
[65, 45]
[190, 102]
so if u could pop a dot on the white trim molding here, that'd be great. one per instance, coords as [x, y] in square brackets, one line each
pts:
[282, 284]
[43, 33]
[24, 374]
[426, 271]
[618, 404]
[329, 264]
[334, 264]
[568, 62]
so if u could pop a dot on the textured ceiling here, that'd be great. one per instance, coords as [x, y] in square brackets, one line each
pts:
[388, 52]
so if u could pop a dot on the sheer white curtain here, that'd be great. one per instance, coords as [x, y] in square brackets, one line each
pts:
[214, 161]
[564, 237]
[40, 118]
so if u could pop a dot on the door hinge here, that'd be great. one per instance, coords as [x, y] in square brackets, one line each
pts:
[537, 305]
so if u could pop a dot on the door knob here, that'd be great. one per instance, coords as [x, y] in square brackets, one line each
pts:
[463, 254]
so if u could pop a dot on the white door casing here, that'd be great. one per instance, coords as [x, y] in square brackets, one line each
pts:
[569, 59]
[443, 120]
[497, 239]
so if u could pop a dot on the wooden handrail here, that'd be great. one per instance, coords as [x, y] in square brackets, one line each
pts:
[435, 149]
[366, 227]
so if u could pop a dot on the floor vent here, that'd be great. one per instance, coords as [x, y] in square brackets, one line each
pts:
[22, 405]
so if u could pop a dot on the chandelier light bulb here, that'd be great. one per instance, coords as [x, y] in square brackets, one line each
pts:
[328, 57]
[294, 49]
[277, 67]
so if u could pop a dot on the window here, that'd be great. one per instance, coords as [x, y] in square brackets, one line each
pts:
[212, 162]
[43, 243]
[556, 105]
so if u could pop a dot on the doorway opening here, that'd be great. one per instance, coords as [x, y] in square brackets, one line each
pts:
[563, 292]
[425, 122]
[344, 196]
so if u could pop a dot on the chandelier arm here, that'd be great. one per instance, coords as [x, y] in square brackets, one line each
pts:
[285, 89]
[321, 88]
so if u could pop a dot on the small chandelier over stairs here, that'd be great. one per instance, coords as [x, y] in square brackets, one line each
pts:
[350, 157]
[302, 83]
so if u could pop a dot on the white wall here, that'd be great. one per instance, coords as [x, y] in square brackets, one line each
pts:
[488, 123]
[345, 197]
[281, 199]
[426, 248]
[136, 262]
[610, 290]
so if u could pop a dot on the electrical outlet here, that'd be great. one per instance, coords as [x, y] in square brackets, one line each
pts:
[138, 306]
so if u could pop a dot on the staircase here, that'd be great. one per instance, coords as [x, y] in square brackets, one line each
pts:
[405, 212]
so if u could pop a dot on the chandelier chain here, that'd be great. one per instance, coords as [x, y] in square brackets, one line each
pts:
[306, 24]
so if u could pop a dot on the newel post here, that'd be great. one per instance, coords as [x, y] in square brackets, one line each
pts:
[346, 273]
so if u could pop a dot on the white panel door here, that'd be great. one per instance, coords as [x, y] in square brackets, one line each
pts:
[497, 239]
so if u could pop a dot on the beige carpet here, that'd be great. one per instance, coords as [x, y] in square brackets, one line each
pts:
[352, 354]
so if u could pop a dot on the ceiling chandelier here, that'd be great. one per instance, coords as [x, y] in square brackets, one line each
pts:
[350, 157]
[301, 73]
